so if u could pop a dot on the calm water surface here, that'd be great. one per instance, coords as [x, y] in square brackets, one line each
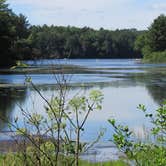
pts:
[124, 83]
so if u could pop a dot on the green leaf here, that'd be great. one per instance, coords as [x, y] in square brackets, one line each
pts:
[112, 121]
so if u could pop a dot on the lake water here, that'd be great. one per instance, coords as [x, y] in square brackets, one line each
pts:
[124, 83]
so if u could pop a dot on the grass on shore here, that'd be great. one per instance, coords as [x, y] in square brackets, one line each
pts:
[155, 57]
[16, 159]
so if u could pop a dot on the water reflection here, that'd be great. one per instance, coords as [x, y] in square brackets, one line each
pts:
[120, 101]
[9, 97]
[158, 93]
[155, 83]
[124, 84]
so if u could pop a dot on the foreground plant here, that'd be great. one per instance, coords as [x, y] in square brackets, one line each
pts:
[82, 106]
[48, 139]
[142, 153]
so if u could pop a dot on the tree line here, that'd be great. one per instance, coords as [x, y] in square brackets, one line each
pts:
[21, 41]
[72, 42]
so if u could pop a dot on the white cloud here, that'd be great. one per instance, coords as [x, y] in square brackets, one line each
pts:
[159, 6]
[95, 13]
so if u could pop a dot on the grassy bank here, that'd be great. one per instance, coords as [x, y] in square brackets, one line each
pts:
[20, 160]
[155, 57]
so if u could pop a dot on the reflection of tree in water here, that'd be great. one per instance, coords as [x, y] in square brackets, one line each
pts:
[155, 82]
[87, 86]
[9, 97]
[158, 92]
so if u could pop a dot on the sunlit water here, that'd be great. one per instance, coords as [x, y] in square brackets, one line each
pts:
[124, 83]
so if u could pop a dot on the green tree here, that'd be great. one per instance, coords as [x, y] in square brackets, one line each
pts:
[6, 33]
[157, 34]
[152, 43]
[13, 29]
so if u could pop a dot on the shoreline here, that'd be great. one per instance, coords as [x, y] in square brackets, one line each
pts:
[100, 152]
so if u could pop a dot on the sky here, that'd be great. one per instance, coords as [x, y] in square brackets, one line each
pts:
[109, 14]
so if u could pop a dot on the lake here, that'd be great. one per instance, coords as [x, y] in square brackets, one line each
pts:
[125, 83]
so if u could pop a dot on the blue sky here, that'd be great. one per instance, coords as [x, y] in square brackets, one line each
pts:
[109, 14]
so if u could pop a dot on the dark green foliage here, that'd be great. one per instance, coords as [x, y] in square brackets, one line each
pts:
[72, 42]
[152, 43]
[13, 29]
[6, 33]
[157, 34]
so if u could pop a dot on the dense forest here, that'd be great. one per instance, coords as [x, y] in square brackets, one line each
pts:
[72, 42]
[19, 40]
